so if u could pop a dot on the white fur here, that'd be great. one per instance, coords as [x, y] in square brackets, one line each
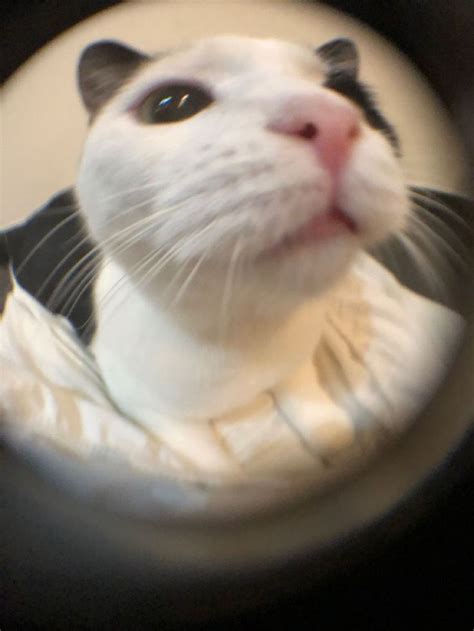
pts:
[245, 322]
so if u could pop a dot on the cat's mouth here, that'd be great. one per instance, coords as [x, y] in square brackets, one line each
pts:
[321, 227]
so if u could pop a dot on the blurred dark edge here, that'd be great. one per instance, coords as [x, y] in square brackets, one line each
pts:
[418, 566]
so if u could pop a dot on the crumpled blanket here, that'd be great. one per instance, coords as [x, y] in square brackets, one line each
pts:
[383, 350]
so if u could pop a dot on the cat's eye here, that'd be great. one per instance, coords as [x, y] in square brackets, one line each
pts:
[172, 103]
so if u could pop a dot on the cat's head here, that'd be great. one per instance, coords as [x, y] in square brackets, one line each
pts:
[233, 152]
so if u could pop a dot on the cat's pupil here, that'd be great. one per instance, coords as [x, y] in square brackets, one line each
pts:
[173, 103]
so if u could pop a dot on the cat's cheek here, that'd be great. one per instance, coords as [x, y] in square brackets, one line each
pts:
[107, 189]
[373, 191]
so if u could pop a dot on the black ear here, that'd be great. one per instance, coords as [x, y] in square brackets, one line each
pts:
[341, 56]
[103, 68]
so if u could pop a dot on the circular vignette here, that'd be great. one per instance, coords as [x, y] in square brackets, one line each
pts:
[443, 53]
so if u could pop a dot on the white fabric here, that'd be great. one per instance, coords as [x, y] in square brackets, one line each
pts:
[383, 350]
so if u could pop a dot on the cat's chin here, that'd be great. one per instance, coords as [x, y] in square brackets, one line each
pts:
[308, 269]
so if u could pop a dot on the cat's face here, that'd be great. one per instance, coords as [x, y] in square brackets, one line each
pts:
[237, 151]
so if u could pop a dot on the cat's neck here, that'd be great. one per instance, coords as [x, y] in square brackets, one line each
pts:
[210, 309]
[220, 357]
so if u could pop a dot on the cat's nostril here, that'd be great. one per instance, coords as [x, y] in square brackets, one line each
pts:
[353, 132]
[308, 131]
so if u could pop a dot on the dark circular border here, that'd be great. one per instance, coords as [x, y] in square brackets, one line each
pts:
[59, 567]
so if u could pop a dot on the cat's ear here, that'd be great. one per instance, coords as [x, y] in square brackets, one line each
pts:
[340, 56]
[103, 68]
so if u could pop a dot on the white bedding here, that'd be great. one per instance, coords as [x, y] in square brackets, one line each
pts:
[383, 350]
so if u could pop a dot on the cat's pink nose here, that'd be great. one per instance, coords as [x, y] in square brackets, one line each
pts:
[330, 124]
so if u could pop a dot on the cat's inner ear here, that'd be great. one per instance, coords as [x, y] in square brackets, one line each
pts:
[340, 56]
[103, 68]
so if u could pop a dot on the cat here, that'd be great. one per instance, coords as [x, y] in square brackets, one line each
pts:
[230, 184]
[211, 259]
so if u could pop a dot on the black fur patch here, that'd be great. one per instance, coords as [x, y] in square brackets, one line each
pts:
[361, 95]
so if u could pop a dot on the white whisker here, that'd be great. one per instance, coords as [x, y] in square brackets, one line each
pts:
[227, 292]
[156, 267]
[187, 282]
[422, 262]
[438, 205]
[42, 241]
[431, 237]
[95, 251]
